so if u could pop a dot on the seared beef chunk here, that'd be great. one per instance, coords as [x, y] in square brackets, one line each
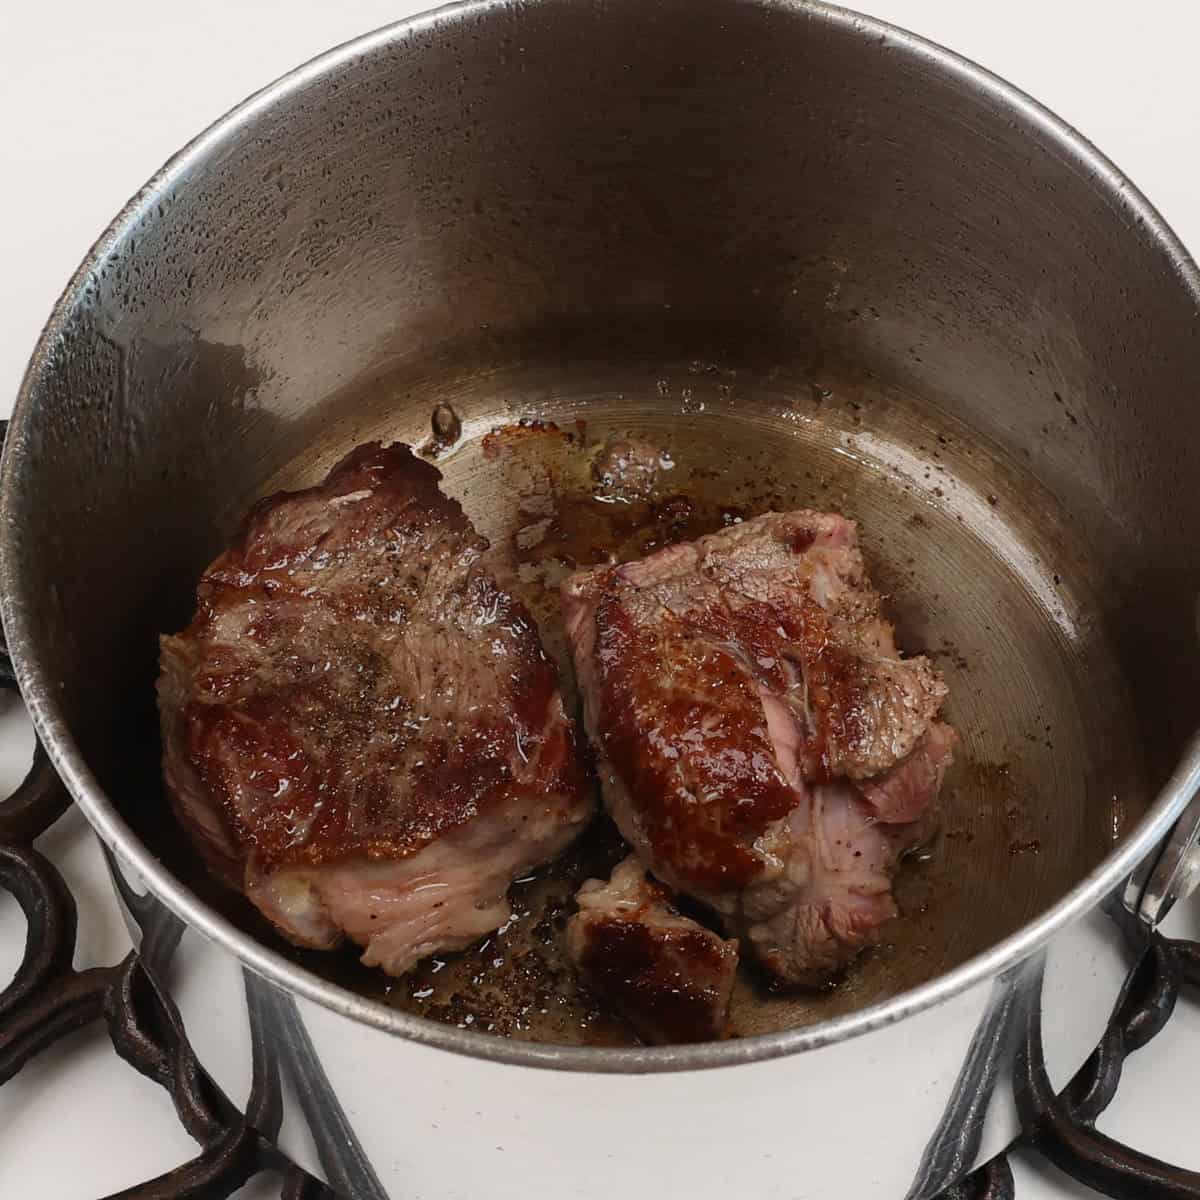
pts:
[360, 728]
[668, 976]
[762, 744]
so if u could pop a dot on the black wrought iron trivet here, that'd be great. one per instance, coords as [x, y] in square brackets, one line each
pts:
[48, 998]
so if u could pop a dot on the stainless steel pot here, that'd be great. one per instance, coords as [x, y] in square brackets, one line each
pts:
[825, 261]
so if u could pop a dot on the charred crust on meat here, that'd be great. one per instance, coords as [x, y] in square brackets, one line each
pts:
[666, 974]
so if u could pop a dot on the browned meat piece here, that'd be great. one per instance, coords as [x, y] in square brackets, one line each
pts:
[668, 976]
[627, 469]
[763, 746]
[360, 728]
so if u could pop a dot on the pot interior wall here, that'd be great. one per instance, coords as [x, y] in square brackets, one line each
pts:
[818, 267]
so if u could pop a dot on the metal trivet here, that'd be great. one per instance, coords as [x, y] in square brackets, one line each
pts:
[49, 999]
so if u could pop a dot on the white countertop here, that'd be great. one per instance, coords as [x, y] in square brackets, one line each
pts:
[94, 97]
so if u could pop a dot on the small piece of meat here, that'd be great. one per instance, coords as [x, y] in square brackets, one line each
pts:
[761, 743]
[902, 794]
[360, 728]
[667, 975]
[627, 469]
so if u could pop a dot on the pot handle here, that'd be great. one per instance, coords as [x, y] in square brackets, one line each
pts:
[1172, 872]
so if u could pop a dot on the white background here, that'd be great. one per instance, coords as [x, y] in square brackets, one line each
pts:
[95, 96]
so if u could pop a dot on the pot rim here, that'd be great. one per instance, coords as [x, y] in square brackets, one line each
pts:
[41, 692]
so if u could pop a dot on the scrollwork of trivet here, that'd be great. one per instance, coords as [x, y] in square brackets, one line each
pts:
[48, 999]
[1062, 1126]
